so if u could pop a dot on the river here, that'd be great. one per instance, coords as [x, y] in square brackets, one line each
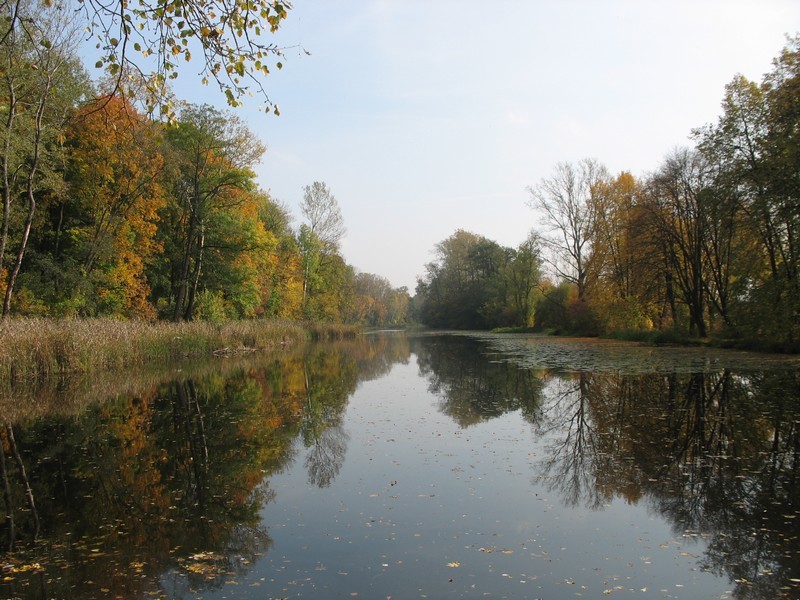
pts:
[412, 466]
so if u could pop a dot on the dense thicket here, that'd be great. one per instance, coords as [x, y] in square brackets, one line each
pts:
[706, 244]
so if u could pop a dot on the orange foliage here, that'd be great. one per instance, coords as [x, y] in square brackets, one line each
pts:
[116, 169]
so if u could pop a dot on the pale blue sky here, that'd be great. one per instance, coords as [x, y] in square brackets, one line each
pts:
[427, 116]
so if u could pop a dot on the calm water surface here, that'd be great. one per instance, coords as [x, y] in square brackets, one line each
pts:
[432, 466]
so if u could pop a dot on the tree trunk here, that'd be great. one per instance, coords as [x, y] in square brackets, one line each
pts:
[12, 111]
[198, 266]
[12, 277]
[34, 167]
[183, 278]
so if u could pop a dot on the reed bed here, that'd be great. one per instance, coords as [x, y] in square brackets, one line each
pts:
[36, 349]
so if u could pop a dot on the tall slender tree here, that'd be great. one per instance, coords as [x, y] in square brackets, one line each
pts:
[321, 210]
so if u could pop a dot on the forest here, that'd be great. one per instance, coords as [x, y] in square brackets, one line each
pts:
[109, 211]
[121, 201]
[704, 246]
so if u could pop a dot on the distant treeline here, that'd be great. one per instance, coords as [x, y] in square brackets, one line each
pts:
[708, 244]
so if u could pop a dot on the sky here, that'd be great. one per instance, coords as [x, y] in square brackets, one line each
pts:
[428, 116]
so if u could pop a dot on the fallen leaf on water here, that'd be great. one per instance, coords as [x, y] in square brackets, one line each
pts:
[453, 564]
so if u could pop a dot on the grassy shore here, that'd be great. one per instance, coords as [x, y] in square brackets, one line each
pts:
[41, 348]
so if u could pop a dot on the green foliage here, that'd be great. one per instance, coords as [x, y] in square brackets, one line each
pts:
[107, 212]
[552, 308]
[211, 306]
[469, 285]
[42, 81]
[626, 314]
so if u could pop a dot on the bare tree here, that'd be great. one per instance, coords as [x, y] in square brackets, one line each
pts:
[565, 199]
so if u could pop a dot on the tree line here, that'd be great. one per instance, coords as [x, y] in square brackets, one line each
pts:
[108, 211]
[707, 244]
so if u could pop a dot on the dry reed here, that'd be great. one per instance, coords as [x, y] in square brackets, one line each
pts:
[37, 349]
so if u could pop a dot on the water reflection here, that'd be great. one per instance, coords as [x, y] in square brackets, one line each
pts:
[470, 385]
[714, 452]
[158, 491]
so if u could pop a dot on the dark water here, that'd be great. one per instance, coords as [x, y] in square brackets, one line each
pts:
[416, 467]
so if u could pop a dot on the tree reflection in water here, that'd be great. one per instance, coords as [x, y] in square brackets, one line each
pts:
[715, 452]
[159, 492]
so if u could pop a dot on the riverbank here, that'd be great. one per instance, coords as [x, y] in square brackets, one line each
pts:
[33, 349]
[670, 337]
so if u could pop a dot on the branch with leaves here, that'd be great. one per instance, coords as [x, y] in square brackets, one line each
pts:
[149, 39]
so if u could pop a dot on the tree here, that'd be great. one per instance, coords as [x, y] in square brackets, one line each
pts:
[114, 172]
[779, 206]
[624, 291]
[753, 254]
[466, 287]
[564, 200]
[41, 83]
[330, 301]
[212, 155]
[375, 302]
[524, 275]
[678, 198]
[326, 277]
[310, 247]
[320, 208]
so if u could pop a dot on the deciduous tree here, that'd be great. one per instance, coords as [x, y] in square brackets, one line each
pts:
[321, 209]
[42, 82]
[212, 154]
[564, 201]
[114, 175]
[678, 198]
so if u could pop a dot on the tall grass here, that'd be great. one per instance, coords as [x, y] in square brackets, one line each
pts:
[41, 348]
